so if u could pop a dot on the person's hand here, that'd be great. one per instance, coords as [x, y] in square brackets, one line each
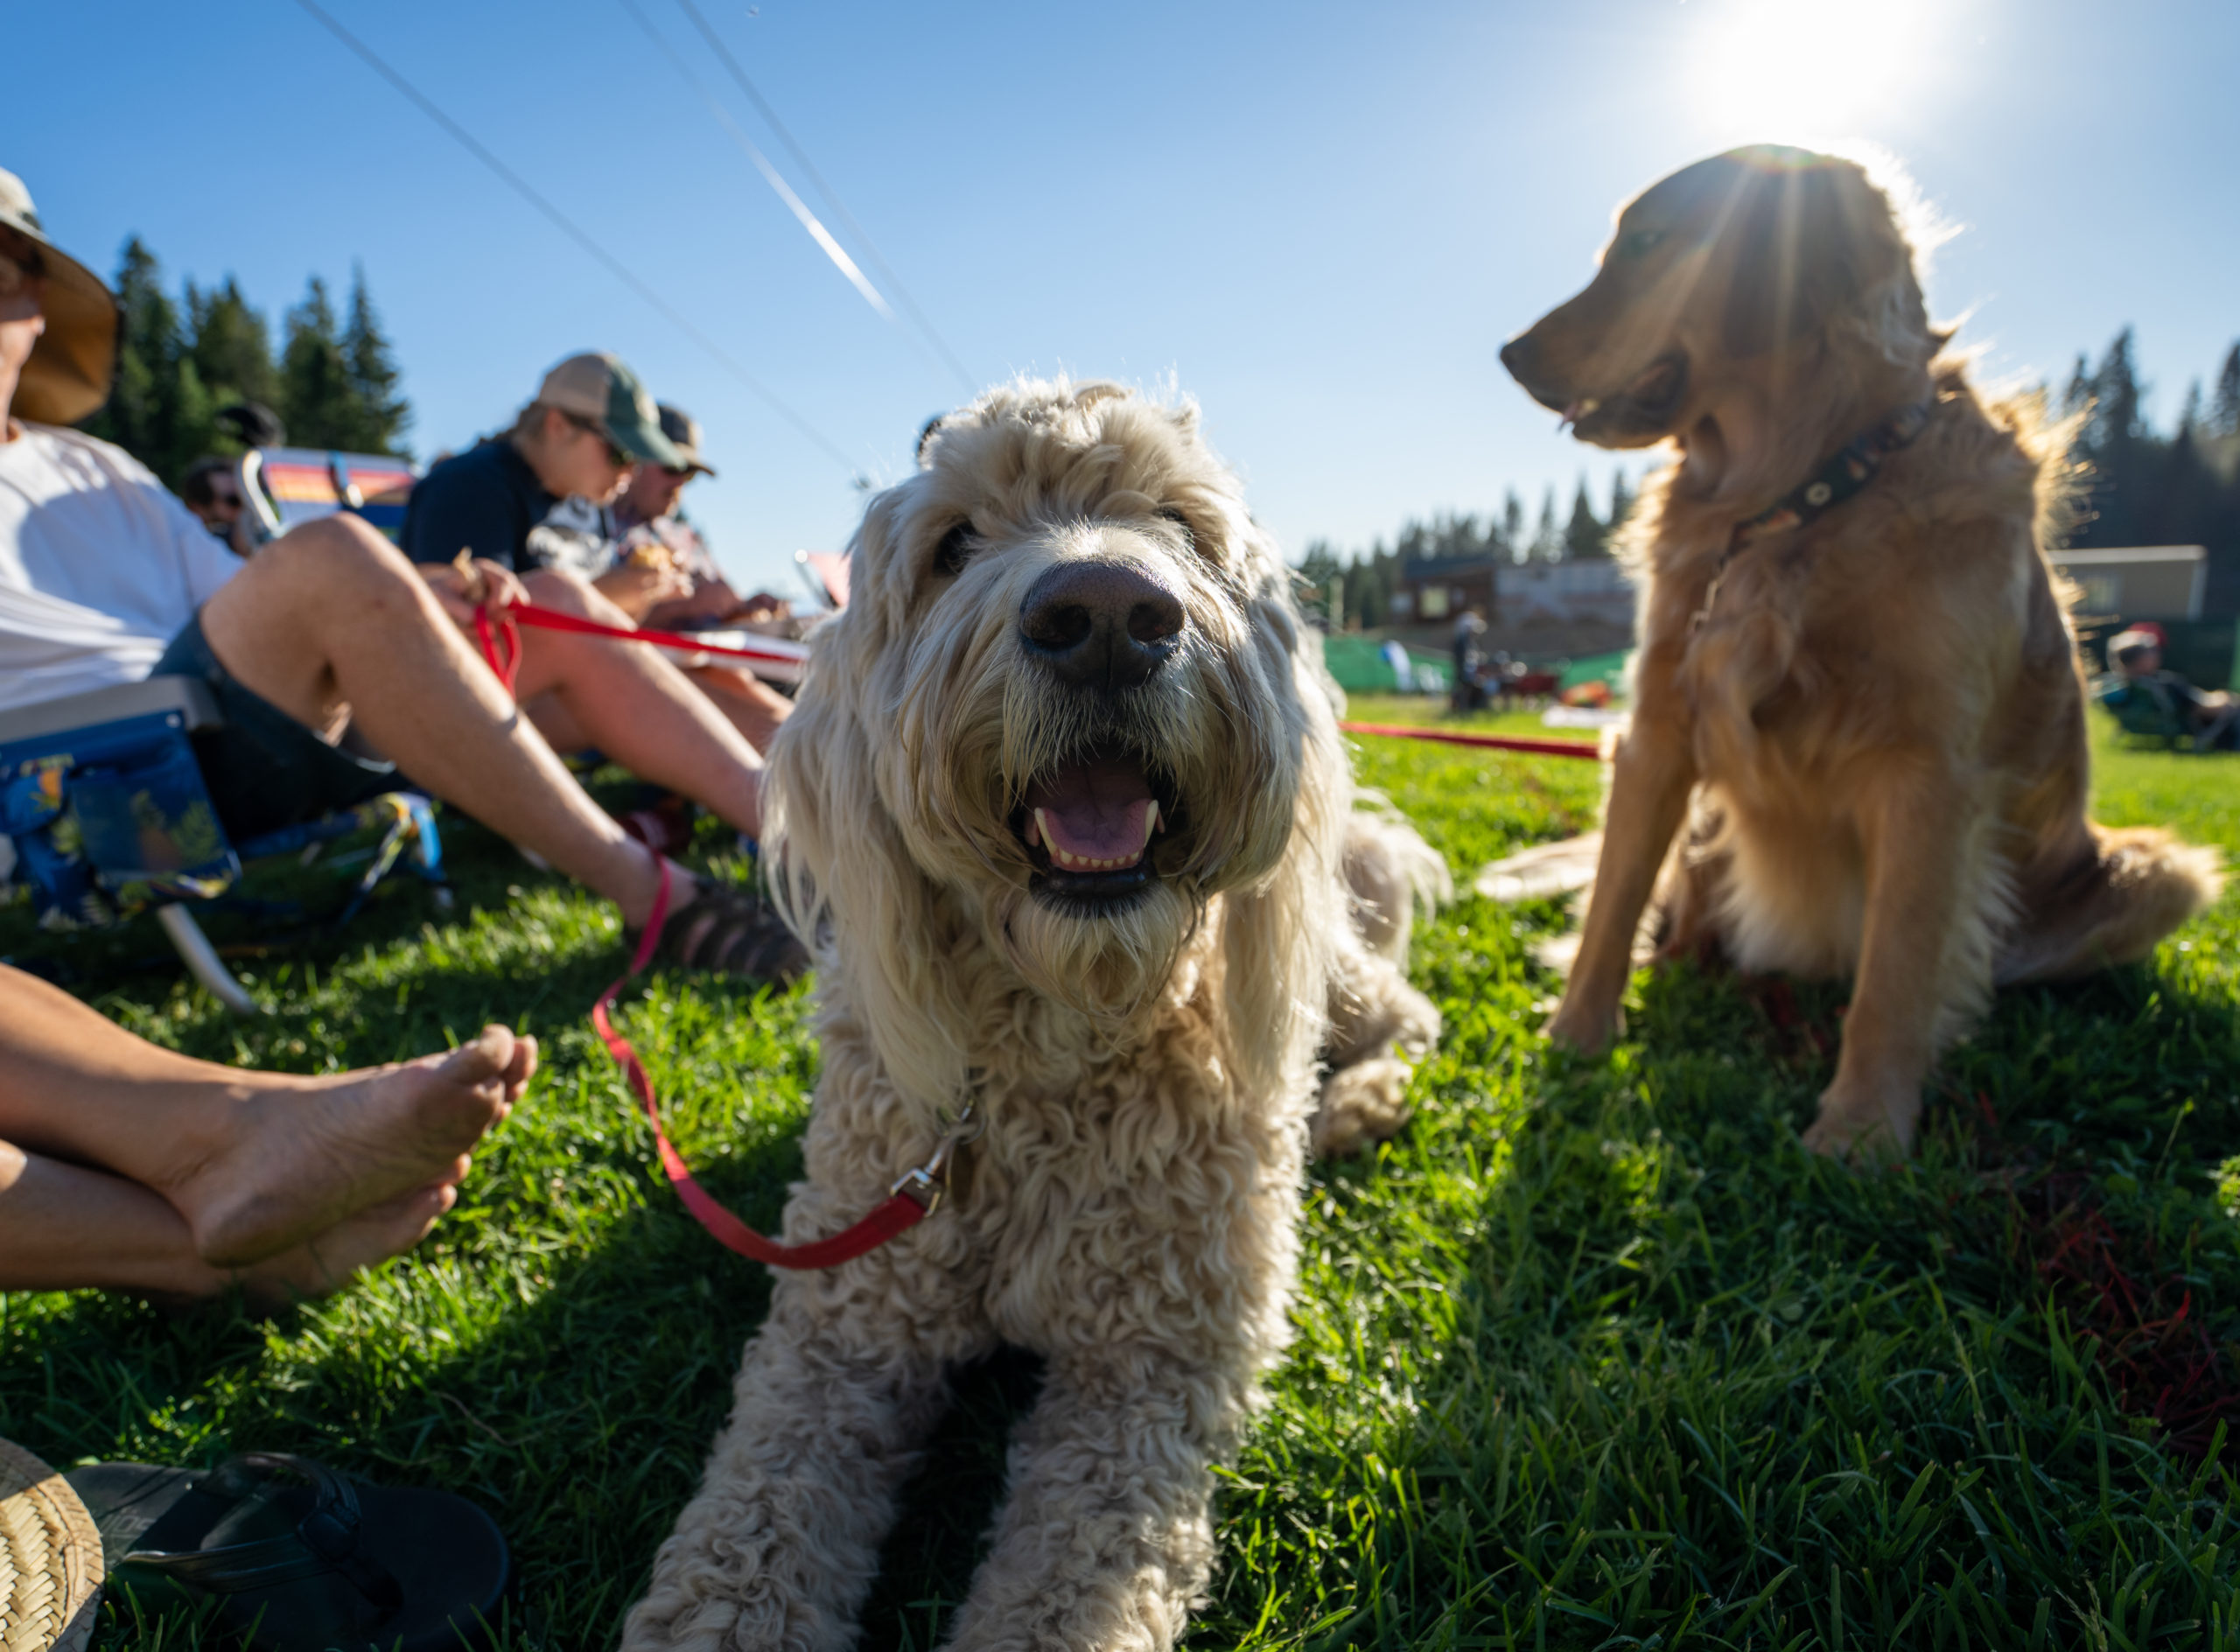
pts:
[471, 584]
[639, 587]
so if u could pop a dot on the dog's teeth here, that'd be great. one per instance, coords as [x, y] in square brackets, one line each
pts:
[1035, 834]
[1151, 824]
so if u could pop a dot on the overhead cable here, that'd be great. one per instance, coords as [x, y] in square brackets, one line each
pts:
[770, 174]
[575, 233]
[831, 201]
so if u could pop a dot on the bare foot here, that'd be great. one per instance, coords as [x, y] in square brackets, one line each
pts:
[333, 1258]
[316, 1158]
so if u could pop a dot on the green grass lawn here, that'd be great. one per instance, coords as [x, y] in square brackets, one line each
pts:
[1593, 1355]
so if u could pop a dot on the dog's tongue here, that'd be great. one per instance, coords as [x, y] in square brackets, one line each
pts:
[1095, 816]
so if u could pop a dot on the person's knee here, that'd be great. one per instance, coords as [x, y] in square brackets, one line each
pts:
[569, 592]
[340, 553]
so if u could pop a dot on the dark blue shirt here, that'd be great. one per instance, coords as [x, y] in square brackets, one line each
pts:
[486, 500]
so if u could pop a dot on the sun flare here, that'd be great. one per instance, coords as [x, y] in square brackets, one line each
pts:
[1816, 70]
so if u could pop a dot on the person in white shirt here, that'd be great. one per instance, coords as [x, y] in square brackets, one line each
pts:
[105, 577]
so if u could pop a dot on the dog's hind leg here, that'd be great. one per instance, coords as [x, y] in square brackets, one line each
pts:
[837, 1393]
[1106, 1535]
[1380, 1026]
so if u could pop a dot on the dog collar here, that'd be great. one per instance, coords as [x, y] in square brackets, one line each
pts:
[1851, 468]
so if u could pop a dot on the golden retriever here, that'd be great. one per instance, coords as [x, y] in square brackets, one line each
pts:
[1856, 685]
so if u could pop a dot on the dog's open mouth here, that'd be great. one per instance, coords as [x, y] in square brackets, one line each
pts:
[1646, 406]
[1089, 824]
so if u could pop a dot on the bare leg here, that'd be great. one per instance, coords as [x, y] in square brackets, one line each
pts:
[251, 1164]
[65, 1227]
[755, 709]
[331, 615]
[629, 701]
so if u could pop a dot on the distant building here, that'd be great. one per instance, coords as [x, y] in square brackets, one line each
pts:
[1566, 593]
[2138, 582]
[1429, 591]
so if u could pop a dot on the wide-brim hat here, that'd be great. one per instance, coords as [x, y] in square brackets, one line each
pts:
[50, 1559]
[70, 366]
[684, 433]
[598, 387]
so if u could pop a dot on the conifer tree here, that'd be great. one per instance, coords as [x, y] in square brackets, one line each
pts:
[382, 413]
[1513, 527]
[318, 402]
[1621, 501]
[2224, 410]
[1547, 538]
[232, 347]
[1585, 534]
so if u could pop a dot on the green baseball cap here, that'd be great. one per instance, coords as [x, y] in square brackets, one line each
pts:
[599, 388]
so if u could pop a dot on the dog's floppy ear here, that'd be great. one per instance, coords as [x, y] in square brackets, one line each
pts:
[1796, 256]
[839, 870]
[1281, 938]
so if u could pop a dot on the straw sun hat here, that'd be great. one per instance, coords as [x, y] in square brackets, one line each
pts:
[50, 1559]
[68, 374]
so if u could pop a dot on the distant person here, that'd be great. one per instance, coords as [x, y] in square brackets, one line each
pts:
[105, 578]
[2146, 699]
[651, 531]
[1469, 693]
[211, 489]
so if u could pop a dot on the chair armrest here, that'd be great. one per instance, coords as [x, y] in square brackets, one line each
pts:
[190, 696]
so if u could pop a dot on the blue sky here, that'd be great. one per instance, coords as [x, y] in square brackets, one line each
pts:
[1321, 220]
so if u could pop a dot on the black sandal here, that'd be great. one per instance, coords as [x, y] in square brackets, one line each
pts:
[729, 929]
[298, 1557]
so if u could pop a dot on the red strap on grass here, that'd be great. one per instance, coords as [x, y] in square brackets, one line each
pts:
[898, 1214]
[1456, 736]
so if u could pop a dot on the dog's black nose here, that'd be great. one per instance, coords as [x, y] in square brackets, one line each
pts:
[1516, 356]
[1101, 623]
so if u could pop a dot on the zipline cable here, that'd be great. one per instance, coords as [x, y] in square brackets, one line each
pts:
[801, 157]
[770, 174]
[575, 233]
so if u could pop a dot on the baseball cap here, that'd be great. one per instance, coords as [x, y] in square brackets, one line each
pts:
[598, 387]
[684, 433]
[2131, 640]
[70, 367]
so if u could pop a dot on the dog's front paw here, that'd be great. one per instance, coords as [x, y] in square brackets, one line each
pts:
[1362, 1103]
[1587, 1031]
[1864, 1123]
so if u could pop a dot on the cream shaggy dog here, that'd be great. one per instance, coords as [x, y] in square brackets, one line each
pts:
[1064, 814]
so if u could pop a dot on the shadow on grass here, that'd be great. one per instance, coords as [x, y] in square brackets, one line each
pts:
[1683, 1384]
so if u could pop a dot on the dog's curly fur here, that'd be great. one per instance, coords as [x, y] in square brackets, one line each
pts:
[1872, 722]
[1145, 1068]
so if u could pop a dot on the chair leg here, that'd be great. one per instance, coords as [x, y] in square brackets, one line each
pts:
[202, 961]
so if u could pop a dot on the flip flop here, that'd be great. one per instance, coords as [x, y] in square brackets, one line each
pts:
[298, 1557]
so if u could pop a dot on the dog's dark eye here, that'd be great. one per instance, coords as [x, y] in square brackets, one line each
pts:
[955, 550]
[1189, 533]
[1636, 243]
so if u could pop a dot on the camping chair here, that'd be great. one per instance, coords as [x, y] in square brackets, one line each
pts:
[103, 813]
[2142, 711]
[285, 486]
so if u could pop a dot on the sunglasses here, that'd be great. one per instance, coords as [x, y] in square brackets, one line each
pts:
[18, 270]
[620, 459]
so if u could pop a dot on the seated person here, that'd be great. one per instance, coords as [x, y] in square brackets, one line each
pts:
[211, 489]
[124, 1166]
[535, 499]
[2148, 700]
[105, 578]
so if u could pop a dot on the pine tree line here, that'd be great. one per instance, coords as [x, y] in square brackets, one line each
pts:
[335, 382]
[1370, 578]
[2143, 488]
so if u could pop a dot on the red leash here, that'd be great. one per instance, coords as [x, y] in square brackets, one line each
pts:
[1456, 736]
[914, 1196]
[501, 643]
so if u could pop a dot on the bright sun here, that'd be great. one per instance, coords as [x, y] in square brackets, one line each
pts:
[1816, 70]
